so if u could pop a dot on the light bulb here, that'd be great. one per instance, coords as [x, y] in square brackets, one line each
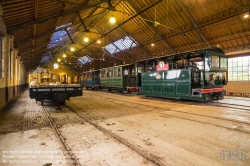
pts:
[98, 41]
[246, 16]
[86, 39]
[56, 66]
[112, 20]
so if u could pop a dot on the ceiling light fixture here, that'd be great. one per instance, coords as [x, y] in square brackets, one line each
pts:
[56, 66]
[58, 60]
[152, 44]
[246, 15]
[72, 49]
[64, 55]
[99, 41]
[112, 20]
[86, 39]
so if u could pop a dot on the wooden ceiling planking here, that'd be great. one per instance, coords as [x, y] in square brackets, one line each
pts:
[219, 23]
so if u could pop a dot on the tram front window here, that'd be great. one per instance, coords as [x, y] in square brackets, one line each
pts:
[213, 78]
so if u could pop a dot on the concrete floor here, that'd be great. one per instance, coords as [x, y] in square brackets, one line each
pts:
[124, 129]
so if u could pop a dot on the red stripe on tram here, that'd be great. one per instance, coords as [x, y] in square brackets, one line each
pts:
[211, 90]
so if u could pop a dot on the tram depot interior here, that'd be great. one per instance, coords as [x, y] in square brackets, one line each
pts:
[55, 41]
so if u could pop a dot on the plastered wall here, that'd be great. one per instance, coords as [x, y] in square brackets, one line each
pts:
[13, 77]
[238, 88]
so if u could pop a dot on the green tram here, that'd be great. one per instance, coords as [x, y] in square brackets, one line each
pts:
[196, 75]
[120, 78]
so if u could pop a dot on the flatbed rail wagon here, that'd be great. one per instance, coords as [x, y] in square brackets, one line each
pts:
[55, 93]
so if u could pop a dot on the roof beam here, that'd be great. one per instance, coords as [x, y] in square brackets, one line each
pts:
[34, 47]
[185, 10]
[111, 7]
[153, 28]
[81, 21]
[42, 20]
[145, 9]
[60, 29]
[69, 35]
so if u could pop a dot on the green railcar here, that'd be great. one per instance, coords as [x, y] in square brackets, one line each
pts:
[119, 78]
[197, 75]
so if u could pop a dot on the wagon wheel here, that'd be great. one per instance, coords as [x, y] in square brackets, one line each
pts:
[42, 102]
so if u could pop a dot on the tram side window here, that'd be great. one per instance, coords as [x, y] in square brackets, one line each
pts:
[223, 63]
[196, 77]
[104, 74]
[107, 74]
[215, 62]
[115, 72]
[110, 73]
[133, 72]
[89, 76]
[119, 72]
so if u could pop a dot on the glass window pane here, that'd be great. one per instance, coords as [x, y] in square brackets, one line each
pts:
[234, 78]
[239, 78]
[121, 44]
[245, 58]
[235, 59]
[245, 63]
[239, 68]
[245, 78]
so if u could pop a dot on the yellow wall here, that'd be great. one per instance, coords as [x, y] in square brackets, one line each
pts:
[238, 88]
[14, 76]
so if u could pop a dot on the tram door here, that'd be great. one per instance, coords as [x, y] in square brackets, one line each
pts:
[196, 77]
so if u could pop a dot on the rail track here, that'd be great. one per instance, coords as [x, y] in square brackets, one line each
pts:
[74, 158]
[230, 105]
[125, 103]
[67, 149]
[121, 102]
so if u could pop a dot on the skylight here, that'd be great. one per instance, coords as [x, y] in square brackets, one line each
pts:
[85, 59]
[45, 58]
[121, 45]
[63, 26]
[58, 35]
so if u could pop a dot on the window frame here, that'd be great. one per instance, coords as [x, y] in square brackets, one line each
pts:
[236, 65]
